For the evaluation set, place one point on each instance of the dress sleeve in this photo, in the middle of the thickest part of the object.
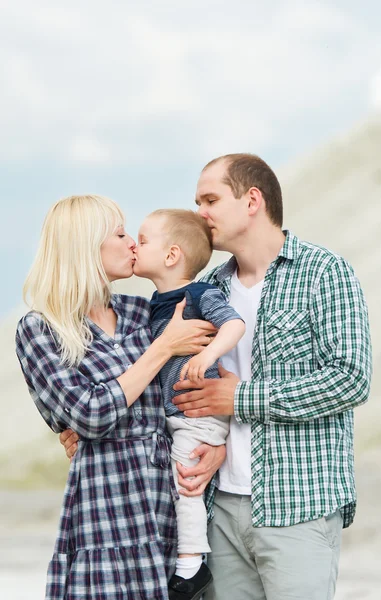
(65, 397)
(215, 309)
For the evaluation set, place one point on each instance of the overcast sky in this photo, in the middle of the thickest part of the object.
(130, 99)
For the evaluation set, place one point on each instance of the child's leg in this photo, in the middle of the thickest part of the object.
(192, 577)
(191, 512)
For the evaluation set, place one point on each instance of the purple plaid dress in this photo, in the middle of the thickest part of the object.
(117, 533)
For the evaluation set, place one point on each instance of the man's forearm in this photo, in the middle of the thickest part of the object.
(322, 393)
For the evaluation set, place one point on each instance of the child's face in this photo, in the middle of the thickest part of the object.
(152, 248)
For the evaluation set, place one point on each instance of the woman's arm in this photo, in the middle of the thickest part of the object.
(180, 338)
(68, 399)
(65, 396)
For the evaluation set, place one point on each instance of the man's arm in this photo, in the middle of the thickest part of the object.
(341, 382)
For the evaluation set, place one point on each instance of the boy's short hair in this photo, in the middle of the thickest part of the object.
(191, 233)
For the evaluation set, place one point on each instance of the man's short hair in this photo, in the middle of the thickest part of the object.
(244, 171)
(190, 232)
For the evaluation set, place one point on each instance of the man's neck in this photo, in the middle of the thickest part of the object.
(255, 251)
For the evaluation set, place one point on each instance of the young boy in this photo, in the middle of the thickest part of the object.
(173, 246)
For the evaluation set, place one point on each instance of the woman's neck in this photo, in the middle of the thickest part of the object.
(105, 318)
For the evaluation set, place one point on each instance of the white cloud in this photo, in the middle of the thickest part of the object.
(137, 81)
(88, 150)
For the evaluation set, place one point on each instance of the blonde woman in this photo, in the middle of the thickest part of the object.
(90, 365)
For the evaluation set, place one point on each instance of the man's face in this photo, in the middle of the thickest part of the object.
(151, 250)
(226, 215)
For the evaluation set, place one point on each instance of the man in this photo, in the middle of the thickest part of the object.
(287, 486)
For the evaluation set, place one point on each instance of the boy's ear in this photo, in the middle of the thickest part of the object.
(173, 256)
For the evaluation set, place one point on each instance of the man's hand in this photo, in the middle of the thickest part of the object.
(211, 458)
(209, 397)
(69, 439)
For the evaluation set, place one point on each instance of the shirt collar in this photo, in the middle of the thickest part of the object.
(291, 247)
(290, 251)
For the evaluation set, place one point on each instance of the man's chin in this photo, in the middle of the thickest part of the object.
(216, 243)
(214, 238)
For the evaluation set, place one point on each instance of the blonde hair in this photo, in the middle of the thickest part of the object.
(190, 232)
(67, 277)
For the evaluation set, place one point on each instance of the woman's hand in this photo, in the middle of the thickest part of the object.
(211, 458)
(187, 336)
(69, 439)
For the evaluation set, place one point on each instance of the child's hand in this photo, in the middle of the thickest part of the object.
(195, 368)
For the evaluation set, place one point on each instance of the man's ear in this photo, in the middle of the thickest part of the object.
(173, 256)
(255, 200)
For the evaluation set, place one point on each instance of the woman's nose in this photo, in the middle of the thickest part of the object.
(131, 244)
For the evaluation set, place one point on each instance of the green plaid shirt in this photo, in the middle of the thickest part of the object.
(311, 365)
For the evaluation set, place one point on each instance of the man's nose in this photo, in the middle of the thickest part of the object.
(202, 212)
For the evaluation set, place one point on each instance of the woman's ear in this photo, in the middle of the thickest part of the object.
(173, 256)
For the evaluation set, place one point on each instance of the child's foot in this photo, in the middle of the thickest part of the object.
(190, 589)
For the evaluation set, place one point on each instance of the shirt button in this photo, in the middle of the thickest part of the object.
(116, 346)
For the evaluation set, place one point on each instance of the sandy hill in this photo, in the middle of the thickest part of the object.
(331, 198)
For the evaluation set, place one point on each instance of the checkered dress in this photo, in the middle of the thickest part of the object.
(117, 535)
(311, 364)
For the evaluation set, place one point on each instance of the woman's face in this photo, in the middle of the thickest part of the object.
(117, 255)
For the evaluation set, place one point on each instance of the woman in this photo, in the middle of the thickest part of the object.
(90, 366)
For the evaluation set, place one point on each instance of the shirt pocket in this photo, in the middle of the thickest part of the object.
(289, 336)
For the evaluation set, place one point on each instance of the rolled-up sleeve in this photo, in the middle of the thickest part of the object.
(65, 397)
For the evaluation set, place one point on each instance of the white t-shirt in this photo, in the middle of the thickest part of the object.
(235, 473)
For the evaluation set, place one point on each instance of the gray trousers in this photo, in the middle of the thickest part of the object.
(299, 562)
(187, 434)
